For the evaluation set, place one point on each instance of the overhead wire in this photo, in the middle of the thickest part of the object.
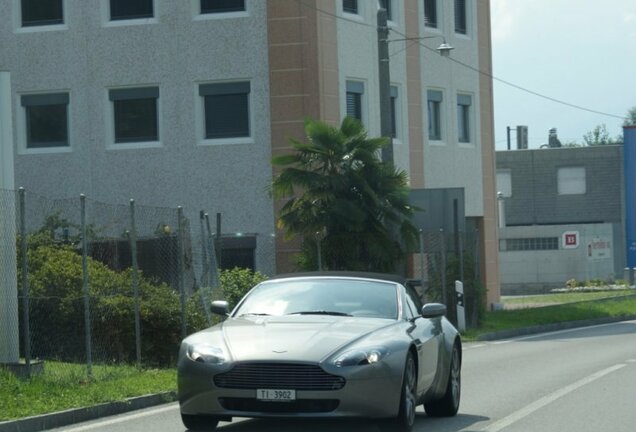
(459, 62)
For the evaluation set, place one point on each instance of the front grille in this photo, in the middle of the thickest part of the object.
(294, 407)
(291, 376)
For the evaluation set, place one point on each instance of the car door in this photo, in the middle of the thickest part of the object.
(427, 334)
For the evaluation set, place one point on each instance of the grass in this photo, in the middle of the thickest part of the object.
(63, 386)
(529, 317)
(565, 297)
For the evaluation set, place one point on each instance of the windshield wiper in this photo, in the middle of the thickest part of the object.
(254, 314)
(320, 312)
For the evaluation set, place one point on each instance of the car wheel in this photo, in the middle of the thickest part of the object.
(448, 405)
(199, 422)
(406, 416)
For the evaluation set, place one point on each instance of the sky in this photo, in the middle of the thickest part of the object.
(582, 52)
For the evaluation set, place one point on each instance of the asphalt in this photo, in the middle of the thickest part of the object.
(64, 418)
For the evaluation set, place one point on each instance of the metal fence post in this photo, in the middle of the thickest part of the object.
(421, 244)
(461, 257)
(205, 279)
(319, 251)
(25, 283)
(135, 280)
(87, 313)
(181, 247)
(443, 269)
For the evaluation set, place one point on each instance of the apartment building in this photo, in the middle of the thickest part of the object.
(184, 103)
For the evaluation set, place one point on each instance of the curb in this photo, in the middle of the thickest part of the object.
(546, 328)
(77, 415)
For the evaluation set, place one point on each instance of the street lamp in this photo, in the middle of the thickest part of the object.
(444, 48)
(384, 77)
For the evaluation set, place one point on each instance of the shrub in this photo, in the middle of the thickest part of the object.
(57, 309)
(237, 282)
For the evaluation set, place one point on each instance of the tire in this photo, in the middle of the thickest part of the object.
(199, 422)
(448, 405)
(406, 415)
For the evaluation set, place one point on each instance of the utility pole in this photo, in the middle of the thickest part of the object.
(9, 334)
(384, 79)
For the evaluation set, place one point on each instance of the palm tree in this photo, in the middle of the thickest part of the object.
(340, 193)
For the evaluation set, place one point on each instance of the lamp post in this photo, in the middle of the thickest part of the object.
(384, 77)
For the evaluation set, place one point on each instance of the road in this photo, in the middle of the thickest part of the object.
(581, 380)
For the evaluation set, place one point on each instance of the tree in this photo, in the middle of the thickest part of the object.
(343, 200)
(600, 136)
(630, 120)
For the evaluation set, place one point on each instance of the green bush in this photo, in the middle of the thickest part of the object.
(237, 282)
(57, 309)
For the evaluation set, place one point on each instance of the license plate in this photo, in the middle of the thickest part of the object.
(274, 395)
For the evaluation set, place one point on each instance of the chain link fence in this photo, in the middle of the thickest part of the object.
(84, 282)
(442, 258)
(88, 283)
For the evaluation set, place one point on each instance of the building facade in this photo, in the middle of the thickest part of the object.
(563, 211)
(184, 103)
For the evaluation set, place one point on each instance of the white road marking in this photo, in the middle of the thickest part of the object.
(546, 400)
(468, 347)
(557, 332)
(123, 418)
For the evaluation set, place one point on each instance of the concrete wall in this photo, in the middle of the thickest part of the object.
(541, 270)
(175, 51)
(535, 198)
(448, 163)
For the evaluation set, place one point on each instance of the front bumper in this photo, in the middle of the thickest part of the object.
(370, 391)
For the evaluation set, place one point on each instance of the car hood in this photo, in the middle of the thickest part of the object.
(295, 337)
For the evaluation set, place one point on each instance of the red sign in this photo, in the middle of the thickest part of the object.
(570, 239)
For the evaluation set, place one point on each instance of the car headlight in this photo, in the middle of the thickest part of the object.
(204, 353)
(359, 357)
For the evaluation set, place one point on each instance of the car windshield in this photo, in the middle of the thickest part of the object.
(326, 296)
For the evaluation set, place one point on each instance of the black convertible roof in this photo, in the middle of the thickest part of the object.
(335, 273)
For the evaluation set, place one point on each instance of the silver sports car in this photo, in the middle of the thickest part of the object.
(323, 345)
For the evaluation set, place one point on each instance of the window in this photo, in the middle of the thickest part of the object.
(350, 6)
(529, 244)
(222, 6)
(460, 17)
(463, 118)
(42, 12)
(394, 108)
(504, 182)
(226, 109)
(135, 115)
(571, 181)
(435, 98)
(355, 90)
(386, 5)
(430, 13)
(46, 118)
(131, 9)
(414, 300)
(237, 252)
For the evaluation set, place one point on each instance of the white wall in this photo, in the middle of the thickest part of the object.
(448, 163)
(544, 269)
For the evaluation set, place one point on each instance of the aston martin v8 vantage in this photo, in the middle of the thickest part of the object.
(322, 345)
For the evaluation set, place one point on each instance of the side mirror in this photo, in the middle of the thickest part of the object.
(219, 307)
(433, 310)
